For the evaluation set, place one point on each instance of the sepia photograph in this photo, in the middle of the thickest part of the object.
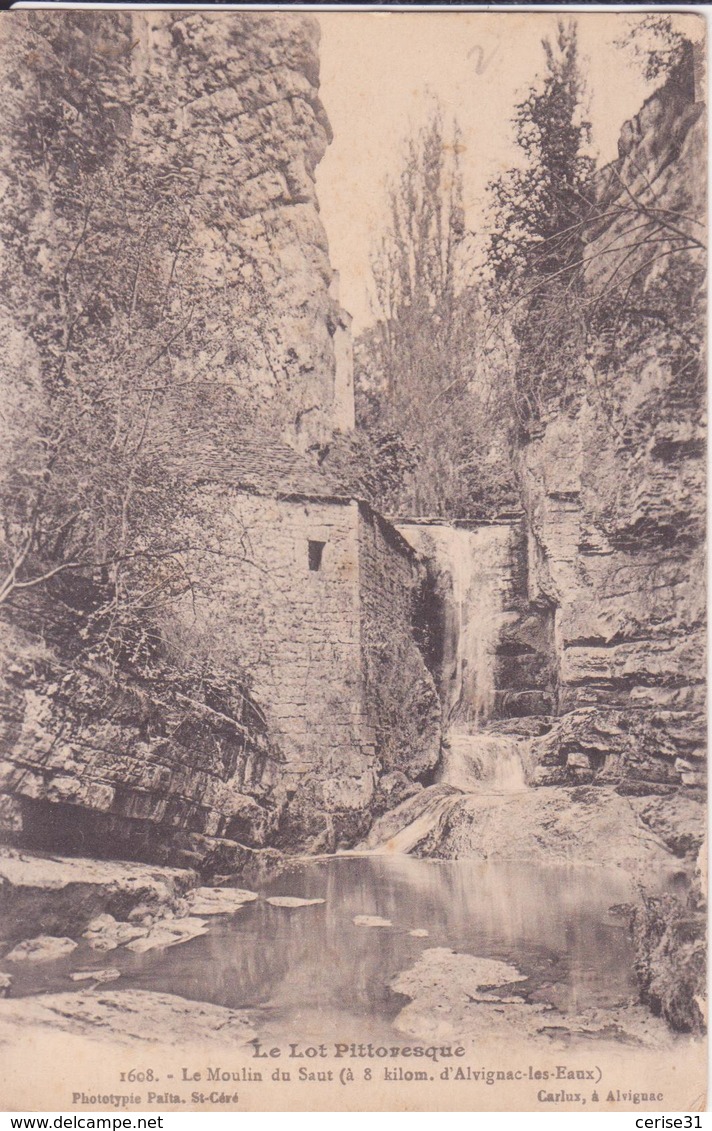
(352, 560)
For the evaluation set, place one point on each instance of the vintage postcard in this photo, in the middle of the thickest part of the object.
(352, 601)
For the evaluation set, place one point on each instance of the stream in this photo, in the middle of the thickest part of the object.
(315, 972)
(312, 971)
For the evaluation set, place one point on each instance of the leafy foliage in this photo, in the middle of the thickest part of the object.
(669, 936)
(109, 314)
(536, 249)
(655, 43)
(421, 392)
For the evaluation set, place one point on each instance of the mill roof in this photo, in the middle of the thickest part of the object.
(201, 436)
(255, 462)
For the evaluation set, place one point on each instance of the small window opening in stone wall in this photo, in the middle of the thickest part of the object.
(316, 552)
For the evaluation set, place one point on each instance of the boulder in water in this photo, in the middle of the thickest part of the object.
(292, 901)
(219, 901)
(44, 948)
(110, 974)
(169, 932)
(464, 973)
(105, 933)
(371, 921)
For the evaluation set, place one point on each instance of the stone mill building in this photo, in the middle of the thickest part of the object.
(320, 606)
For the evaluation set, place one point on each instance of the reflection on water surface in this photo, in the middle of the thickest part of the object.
(313, 968)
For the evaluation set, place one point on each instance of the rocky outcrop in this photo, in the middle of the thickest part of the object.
(670, 936)
(62, 895)
(243, 132)
(209, 127)
(125, 1017)
(184, 148)
(561, 825)
(108, 766)
(613, 481)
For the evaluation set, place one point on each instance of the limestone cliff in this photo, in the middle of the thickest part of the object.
(228, 107)
(105, 764)
(180, 147)
(162, 255)
(614, 484)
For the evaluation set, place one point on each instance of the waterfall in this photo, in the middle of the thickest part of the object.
(476, 764)
(415, 832)
(474, 565)
(485, 762)
(480, 565)
(474, 569)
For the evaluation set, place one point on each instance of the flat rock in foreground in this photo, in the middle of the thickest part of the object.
(126, 1016)
(461, 997)
(59, 895)
(219, 901)
(26, 870)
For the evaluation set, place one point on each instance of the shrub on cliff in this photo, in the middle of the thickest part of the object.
(536, 247)
(112, 324)
(670, 941)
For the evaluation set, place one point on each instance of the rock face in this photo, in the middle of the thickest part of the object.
(613, 484)
(582, 825)
(670, 937)
(186, 146)
(244, 130)
(217, 117)
(132, 779)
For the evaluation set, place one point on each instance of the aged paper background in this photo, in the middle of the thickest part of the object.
(177, 208)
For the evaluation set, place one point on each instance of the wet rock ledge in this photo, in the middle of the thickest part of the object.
(52, 905)
(125, 1017)
(60, 895)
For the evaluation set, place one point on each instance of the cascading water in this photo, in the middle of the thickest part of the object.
(480, 567)
(475, 565)
(475, 568)
(480, 761)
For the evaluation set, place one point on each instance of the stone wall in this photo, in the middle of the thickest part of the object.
(400, 693)
(313, 596)
(296, 629)
(614, 485)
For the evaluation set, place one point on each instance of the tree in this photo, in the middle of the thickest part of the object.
(110, 325)
(655, 43)
(418, 373)
(540, 210)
